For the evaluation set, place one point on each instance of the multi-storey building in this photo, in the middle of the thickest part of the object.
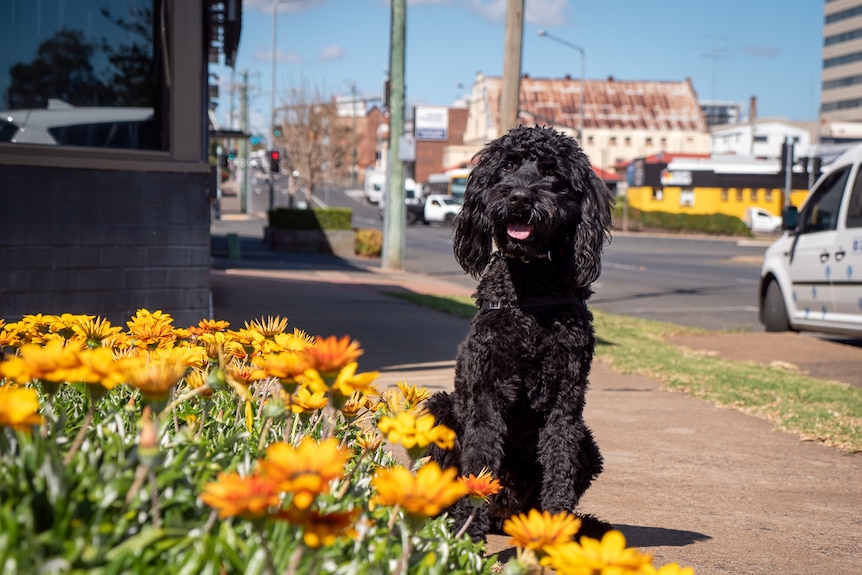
(841, 75)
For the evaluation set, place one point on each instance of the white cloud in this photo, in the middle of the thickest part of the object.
(539, 12)
(265, 55)
(331, 53)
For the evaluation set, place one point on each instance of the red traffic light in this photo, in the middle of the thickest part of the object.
(274, 154)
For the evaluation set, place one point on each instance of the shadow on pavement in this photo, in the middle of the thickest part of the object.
(638, 536)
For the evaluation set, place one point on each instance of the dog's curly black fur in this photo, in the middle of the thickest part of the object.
(532, 228)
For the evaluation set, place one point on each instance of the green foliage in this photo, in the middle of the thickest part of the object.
(368, 242)
(114, 509)
(712, 224)
(314, 219)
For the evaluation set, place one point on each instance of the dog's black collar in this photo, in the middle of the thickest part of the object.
(530, 302)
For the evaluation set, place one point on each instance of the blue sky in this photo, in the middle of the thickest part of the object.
(730, 49)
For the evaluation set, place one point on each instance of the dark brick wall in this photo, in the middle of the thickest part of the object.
(104, 243)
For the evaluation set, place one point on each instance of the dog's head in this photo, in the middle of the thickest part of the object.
(533, 194)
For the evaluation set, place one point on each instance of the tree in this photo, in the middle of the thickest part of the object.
(317, 142)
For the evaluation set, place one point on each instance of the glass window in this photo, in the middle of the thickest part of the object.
(854, 207)
(821, 211)
(81, 73)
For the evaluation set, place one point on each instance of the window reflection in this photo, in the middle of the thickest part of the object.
(80, 73)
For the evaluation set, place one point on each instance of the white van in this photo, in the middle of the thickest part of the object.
(375, 184)
(811, 279)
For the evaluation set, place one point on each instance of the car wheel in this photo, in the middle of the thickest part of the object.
(774, 310)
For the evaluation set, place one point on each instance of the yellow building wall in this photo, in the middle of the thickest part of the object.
(730, 201)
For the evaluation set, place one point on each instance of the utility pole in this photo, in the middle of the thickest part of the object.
(393, 213)
(243, 143)
(511, 90)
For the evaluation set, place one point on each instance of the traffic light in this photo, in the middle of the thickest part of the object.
(274, 157)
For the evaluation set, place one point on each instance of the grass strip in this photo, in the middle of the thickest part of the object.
(826, 411)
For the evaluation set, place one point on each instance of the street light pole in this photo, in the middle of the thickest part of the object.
(544, 34)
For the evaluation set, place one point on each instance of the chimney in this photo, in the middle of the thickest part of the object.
(752, 109)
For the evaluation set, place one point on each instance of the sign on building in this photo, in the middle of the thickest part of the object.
(431, 123)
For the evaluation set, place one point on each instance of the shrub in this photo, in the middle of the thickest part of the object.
(713, 224)
(368, 242)
(314, 219)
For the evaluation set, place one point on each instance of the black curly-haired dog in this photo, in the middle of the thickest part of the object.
(532, 227)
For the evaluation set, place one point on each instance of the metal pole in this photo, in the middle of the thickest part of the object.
(583, 54)
(271, 138)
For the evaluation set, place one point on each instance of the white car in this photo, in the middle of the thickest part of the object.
(441, 208)
(811, 279)
(759, 220)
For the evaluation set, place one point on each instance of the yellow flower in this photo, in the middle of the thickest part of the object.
(329, 355)
(212, 325)
(424, 494)
(591, 556)
(154, 378)
(269, 326)
(411, 431)
(296, 341)
(413, 395)
(356, 403)
(232, 494)
(19, 408)
(152, 330)
(321, 529)
(369, 439)
(95, 330)
(244, 342)
(286, 367)
(197, 379)
(35, 328)
(52, 362)
(307, 470)
(481, 487)
(537, 530)
(66, 324)
(348, 382)
(303, 401)
(98, 366)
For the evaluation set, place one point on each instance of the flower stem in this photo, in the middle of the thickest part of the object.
(466, 523)
(79, 438)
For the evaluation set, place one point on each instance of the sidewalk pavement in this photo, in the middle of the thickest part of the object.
(684, 480)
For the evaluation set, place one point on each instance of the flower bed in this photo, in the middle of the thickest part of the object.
(158, 449)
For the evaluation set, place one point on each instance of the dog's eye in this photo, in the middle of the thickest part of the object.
(508, 166)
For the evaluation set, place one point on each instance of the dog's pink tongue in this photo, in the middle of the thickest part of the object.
(519, 231)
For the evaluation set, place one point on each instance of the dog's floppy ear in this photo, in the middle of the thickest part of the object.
(593, 229)
(473, 230)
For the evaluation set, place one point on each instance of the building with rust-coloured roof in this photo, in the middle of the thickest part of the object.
(622, 120)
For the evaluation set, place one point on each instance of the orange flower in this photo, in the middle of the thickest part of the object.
(321, 529)
(481, 487)
(152, 330)
(540, 529)
(154, 378)
(232, 494)
(329, 355)
(19, 408)
(307, 470)
(424, 494)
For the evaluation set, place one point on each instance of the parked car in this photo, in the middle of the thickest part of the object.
(440, 208)
(762, 221)
(414, 205)
(811, 277)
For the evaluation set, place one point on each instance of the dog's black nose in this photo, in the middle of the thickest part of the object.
(519, 198)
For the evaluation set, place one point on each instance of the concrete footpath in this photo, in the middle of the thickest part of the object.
(684, 480)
